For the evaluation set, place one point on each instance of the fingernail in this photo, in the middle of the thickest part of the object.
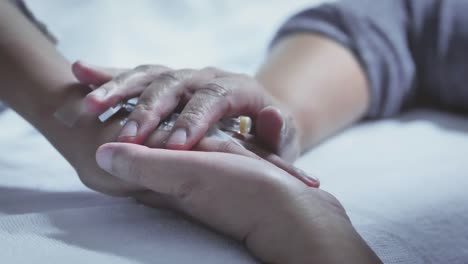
(179, 137)
(98, 93)
(308, 179)
(129, 130)
(104, 158)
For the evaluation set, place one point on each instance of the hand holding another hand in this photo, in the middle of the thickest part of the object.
(229, 186)
(279, 219)
(203, 97)
(89, 134)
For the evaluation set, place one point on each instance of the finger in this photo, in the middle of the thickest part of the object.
(276, 132)
(93, 75)
(224, 143)
(306, 178)
(123, 86)
(215, 142)
(164, 171)
(157, 139)
(156, 102)
(212, 101)
(239, 184)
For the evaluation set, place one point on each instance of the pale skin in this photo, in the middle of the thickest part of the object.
(279, 219)
(320, 82)
(37, 82)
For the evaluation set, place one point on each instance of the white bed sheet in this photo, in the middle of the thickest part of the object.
(403, 181)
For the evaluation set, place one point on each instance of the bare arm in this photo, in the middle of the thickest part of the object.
(319, 81)
(33, 74)
(412, 52)
(36, 80)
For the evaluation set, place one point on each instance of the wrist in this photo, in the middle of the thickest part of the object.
(50, 112)
(321, 232)
(37, 92)
(338, 242)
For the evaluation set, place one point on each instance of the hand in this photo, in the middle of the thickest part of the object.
(278, 218)
(203, 96)
(88, 133)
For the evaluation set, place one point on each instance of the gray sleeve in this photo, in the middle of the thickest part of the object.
(413, 51)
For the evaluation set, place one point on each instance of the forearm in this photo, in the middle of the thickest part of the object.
(33, 74)
(319, 81)
(35, 79)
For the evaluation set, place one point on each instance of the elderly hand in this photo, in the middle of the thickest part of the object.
(88, 134)
(279, 219)
(203, 96)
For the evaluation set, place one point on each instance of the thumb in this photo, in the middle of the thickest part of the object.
(161, 170)
(116, 159)
(93, 75)
(268, 126)
(278, 133)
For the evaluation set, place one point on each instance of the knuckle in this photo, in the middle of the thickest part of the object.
(144, 67)
(151, 68)
(169, 76)
(146, 111)
(215, 89)
(143, 108)
(121, 79)
(191, 117)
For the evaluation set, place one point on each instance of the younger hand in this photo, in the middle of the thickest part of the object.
(278, 218)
